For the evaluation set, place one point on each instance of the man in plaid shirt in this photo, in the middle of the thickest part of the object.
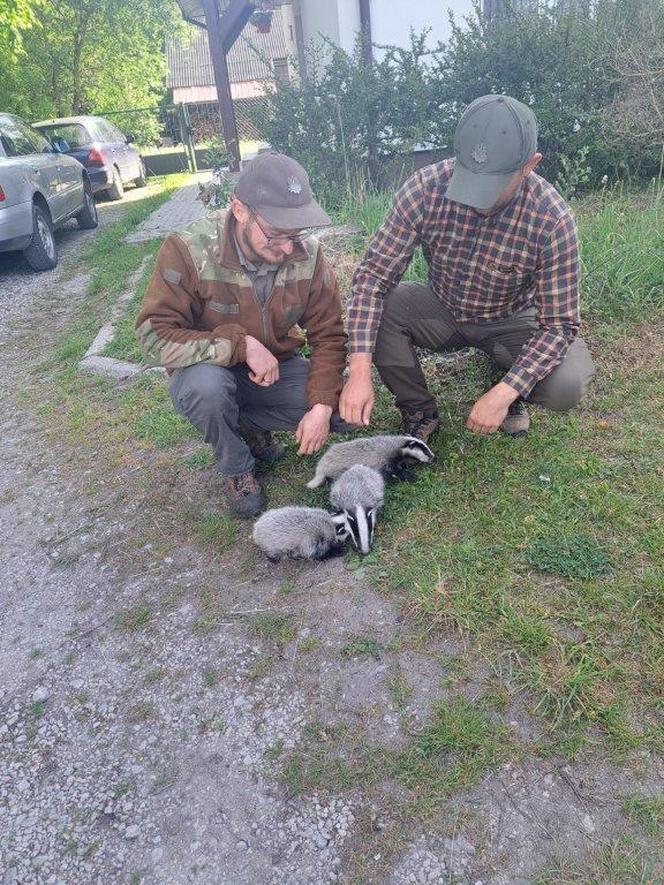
(502, 250)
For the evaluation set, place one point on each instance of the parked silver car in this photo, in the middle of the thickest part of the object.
(40, 188)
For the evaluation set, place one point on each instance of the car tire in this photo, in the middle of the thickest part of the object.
(116, 190)
(87, 217)
(42, 253)
(141, 181)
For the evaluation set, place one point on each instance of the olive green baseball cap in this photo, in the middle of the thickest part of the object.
(277, 188)
(495, 136)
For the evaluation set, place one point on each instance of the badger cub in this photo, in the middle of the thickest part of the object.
(359, 494)
(388, 454)
(300, 533)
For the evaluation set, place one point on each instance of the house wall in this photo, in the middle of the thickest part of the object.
(391, 20)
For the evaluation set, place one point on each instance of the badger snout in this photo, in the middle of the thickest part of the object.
(361, 523)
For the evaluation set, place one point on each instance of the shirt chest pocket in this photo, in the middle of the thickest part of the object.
(505, 276)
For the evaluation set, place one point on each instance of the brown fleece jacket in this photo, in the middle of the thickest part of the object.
(201, 304)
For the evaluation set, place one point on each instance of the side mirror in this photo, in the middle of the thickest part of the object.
(60, 146)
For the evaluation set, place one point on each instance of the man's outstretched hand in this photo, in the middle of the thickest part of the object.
(490, 410)
(313, 430)
(357, 397)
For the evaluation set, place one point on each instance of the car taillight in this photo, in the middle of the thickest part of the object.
(95, 157)
(2, 195)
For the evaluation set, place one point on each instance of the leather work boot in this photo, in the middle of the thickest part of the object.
(244, 496)
(516, 421)
(260, 443)
(419, 424)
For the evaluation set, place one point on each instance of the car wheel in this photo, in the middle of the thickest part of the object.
(87, 217)
(141, 181)
(116, 190)
(42, 253)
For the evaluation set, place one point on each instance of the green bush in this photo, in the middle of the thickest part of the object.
(348, 120)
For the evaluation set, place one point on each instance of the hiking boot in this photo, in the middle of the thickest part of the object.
(260, 443)
(419, 424)
(244, 496)
(516, 421)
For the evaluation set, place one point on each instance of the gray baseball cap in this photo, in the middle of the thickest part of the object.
(495, 136)
(278, 189)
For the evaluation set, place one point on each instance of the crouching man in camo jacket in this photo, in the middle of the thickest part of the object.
(220, 315)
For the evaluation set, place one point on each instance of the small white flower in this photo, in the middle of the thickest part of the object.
(605, 179)
(576, 126)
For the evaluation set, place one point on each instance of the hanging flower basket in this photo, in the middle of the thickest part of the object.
(261, 19)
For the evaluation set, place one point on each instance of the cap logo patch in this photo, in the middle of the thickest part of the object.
(479, 153)
(294, 186)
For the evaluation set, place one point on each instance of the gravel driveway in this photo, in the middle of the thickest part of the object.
(138, 745)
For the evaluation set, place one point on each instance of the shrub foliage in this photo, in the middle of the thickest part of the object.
(347, 118)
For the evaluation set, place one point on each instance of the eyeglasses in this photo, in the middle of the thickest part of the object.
(281, 238)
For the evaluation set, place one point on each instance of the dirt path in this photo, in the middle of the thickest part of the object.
(149, 695)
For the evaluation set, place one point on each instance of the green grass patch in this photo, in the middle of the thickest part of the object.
(210, 678)
(622, 861)
(454, 751)
(134, 618)
(124, 345)
(272, 627)
(575, 557)
(647, 811)
(309, 644)
(218, 529)
(362, 646)
(201, 459)
(143, 711)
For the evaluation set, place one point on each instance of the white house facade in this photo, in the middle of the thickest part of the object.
(390, 20)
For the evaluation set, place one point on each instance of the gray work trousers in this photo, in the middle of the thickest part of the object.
(413, 315)
(214, 398)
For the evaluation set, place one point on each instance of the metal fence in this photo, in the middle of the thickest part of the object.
(176, 137)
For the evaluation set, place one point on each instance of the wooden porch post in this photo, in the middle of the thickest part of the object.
(365, 27)
(222, 33)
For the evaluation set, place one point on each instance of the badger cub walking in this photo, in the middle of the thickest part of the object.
(388, 454)
(300, 533)
(359, 494)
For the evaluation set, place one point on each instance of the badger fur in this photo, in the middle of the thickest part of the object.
(384, 453)
(299, 533)
(359, 494)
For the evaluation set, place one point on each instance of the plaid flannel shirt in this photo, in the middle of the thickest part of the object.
(482, 268)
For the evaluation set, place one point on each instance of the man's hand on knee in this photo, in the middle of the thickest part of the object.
(490, 410)
(313, 430)
(263, 365)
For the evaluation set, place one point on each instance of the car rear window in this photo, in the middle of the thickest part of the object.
(19, 139)
(109, 132)
(74, 134)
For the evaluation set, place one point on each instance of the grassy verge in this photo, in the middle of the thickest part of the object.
(545, 553)
(111, 262)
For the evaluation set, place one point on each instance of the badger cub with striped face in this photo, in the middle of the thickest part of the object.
(391, 455)
(358, 495)
(300, 533)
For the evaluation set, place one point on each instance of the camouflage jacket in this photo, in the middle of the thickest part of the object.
(201, 304)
